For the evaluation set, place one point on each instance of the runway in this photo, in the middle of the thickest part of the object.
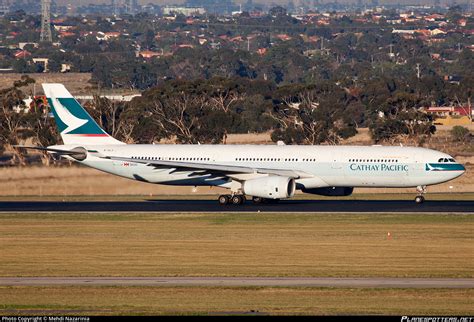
(241, 282)
(294, 206)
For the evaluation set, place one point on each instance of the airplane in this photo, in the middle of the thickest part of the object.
(264, 172)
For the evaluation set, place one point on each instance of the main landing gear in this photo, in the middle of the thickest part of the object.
(419, 199)
(240, 199)
(231, 199)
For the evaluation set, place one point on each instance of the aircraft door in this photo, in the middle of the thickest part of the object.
(336, 161)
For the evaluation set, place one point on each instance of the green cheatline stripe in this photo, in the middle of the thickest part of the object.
(444, 167)
(92, 151)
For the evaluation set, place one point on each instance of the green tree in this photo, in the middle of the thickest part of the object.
(41, 128)
(181, 110)
(460, 133)
(407, 125)
(311, 115)
(13, 117)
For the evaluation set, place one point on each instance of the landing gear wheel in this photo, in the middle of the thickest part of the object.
(223, 199)
(419, 199)
(258, 200)
(237, 200)
(421, 191)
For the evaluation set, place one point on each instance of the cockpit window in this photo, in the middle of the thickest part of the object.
(446, 160)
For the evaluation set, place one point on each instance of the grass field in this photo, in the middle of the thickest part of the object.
(239, 301)
(147, 244)
(153, 244)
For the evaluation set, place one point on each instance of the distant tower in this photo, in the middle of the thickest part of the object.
(4, 7)
(127, 5)
(131, 6)
(46, 21)
(135, 6)
(116, 5)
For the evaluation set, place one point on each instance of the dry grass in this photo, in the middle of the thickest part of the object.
(249, 138)
(79, 180)
(77, 83)
(236, 245)
(225, 301)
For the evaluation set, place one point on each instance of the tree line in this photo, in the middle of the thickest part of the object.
(207, 110)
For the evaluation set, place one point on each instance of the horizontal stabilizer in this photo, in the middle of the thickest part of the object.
(76, 153)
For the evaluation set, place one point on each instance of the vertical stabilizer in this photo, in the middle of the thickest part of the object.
(75, 125)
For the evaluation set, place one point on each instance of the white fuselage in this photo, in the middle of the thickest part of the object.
(328, 166)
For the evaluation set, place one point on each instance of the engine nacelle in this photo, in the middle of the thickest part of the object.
(272, 187)
(330, 191)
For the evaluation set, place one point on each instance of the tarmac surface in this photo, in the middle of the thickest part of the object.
(242, 282)
(345, 206)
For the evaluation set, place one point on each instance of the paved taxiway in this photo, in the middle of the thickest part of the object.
(241, 282)
(347, 206)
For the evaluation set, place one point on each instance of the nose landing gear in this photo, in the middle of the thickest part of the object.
(419, 199)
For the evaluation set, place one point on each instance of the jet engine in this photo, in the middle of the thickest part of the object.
(330, 191)
(272, 187)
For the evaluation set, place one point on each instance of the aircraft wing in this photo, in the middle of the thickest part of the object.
(228, 170)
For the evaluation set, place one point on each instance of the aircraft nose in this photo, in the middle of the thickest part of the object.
(459, 170)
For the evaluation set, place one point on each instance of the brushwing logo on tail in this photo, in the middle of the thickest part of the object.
(67, 117)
